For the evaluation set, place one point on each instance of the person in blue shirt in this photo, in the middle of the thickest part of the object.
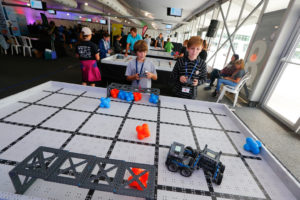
(232, 80)
(132, 38)
(104, 46)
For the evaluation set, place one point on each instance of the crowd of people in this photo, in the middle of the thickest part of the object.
(189, 72)
(91, 46)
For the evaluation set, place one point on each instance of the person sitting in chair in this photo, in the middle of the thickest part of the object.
(232, 80)
(227, 71)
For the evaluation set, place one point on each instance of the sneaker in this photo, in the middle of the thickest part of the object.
(207, 88)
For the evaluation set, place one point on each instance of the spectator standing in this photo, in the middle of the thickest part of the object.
(147, 40)
(88, 54)
(159, 41)
(132, 38)
(117, 45)
(169, 46)
(104, 46)
(203, 53)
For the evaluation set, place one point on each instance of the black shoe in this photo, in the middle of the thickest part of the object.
(207, 88)
(214, 94)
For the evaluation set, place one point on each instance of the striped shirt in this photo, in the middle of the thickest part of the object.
(179, 69)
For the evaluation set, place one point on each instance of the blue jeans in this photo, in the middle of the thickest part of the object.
(225, 82)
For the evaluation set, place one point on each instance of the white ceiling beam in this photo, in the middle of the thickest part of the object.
(90, 9)
(68, 3)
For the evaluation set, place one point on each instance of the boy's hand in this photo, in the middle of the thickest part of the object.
(137, 77)
(126, 54)
(195, 82)
(149, 75)
(183, 79)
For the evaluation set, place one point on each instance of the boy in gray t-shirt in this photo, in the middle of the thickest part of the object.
(140, 70)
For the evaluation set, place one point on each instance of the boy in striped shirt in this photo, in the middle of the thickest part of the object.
(189, 72)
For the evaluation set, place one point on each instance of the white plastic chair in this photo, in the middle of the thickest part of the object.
(234, 89)
(5, 51)
(26, 45)
(14, 45)
(3, 44)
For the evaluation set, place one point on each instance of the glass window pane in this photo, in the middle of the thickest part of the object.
(242, 39)
(221, 57)
(224, 7)
(296, 55)
(271, 7)
(208, 18)
(285, 98)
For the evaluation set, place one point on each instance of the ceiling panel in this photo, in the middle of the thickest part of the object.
(157, 10)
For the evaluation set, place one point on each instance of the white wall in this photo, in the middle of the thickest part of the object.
(285, 33)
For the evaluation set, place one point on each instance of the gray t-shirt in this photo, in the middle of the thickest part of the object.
(239, 74)
(159, 41)
(148, 41)
(131, 70)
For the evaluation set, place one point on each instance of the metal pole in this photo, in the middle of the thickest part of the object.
(225, 24)
(204, 19)
(228, 9)
(237, 23)
(108, 25)
(258, 5)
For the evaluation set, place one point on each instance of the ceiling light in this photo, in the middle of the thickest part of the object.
(146, 14)
(68, 14)
(86, 4)
(125, 21)
(80, 17)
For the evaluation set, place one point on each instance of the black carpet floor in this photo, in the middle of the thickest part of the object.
(18, 73)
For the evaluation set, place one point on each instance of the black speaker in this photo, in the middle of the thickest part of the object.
(175, 35)
(168, 11)
(212, 29)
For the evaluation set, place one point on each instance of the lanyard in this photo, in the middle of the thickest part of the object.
(106, 45)
(136, 69)
(186, 74)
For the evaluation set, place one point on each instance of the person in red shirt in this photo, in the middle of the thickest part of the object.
(225, 72)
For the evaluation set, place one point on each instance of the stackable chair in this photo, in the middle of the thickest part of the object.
(26, 45)
(234, 89)
(14, 45)
(3, 45)
(3, 50)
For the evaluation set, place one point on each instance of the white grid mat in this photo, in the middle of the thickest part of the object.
(50, 116)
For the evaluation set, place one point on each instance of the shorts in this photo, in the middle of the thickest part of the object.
(90, 71)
